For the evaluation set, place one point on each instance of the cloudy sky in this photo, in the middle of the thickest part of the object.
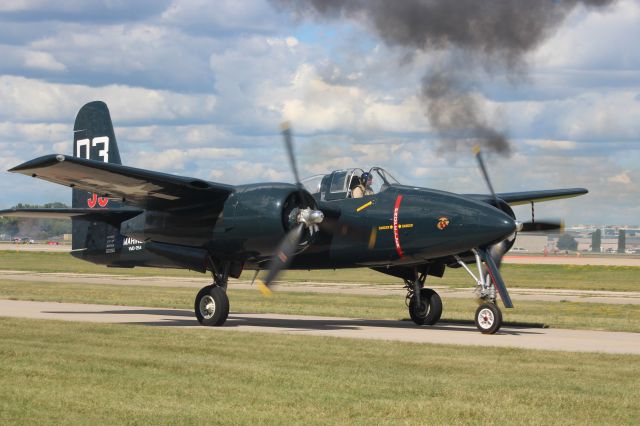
(200, 91)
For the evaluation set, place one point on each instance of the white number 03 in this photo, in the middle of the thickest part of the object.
(103, 152)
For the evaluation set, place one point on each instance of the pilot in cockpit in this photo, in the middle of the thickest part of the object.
(357, 188)
(367, 180)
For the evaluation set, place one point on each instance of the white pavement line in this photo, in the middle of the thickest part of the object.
(457, 334)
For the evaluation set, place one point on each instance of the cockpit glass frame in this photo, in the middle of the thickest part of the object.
(338, 184)
(313, 184)
(339, 181)
(385, 175)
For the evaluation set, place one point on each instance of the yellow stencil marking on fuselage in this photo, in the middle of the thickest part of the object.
(389, 227)
(373, 237)
(364, 206)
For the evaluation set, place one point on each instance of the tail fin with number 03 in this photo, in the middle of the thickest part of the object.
(93, 139)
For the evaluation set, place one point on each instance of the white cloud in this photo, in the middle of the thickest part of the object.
(622, 178)
(549, 144)
(32, 100)
(314, 105)
(227, 15)
(42, 60)
(596, 40)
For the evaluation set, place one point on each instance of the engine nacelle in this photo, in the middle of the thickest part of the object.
(256, 218)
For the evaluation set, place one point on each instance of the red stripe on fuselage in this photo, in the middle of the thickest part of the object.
(396, 236)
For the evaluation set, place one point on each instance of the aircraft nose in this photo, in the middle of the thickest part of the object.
(499, 225)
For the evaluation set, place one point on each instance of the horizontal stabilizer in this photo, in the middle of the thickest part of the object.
(69, 213)
(138, 187)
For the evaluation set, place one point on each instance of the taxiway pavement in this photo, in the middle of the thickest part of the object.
(404, 331)
(518, 294)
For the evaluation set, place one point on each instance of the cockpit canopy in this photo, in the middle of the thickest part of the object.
(342, 184)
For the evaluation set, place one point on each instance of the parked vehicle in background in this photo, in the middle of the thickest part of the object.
(27, 240)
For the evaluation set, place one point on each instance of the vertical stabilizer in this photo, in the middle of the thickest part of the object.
(94, 139)
(93, 136)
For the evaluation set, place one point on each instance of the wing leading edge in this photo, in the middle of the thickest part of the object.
(137, 187)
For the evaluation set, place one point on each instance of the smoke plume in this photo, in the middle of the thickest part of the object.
(480, 35)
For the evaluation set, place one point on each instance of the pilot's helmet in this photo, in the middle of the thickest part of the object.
(366, 178)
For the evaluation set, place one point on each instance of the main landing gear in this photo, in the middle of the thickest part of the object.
(212, 304)
(488, 317)
(425, 305)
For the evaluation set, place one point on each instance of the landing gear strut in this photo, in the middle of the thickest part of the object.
(425, 305)
(488, 318)
(212, 304)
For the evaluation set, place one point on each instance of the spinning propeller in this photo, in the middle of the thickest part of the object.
(304, 218)
(495, 253)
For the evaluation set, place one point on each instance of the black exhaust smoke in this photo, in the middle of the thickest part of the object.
(477, 35)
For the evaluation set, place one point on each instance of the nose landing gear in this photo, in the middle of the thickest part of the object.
(488, 318)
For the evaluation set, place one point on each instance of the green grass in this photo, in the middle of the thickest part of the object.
(74, 373)
(551, 314)
(611, 278)
(64, 262)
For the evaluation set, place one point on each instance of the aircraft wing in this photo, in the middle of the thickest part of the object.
(526, 197)
(137, 187)
(69, 213)
(517, 198)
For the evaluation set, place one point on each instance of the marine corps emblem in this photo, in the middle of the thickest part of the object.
(443, 222)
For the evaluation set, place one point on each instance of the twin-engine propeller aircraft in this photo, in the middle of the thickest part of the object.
(126, 217)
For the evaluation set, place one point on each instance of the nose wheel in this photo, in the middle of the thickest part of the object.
(488, 318)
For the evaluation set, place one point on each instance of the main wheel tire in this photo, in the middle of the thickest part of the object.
(212, 306)
(488, 318)
(430, 309)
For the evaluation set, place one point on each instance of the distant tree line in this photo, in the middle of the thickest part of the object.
(567, 242)
(38, 229)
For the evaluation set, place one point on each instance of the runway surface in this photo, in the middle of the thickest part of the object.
(518, 294)
(458, 334)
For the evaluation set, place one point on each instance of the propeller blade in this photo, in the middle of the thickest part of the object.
(282, 258)
(538, 226)
(497, 251)
(494, 272)
(483, 169)
(288, 141)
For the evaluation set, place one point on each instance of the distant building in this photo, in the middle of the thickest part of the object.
(532, 243)
(536, 243)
